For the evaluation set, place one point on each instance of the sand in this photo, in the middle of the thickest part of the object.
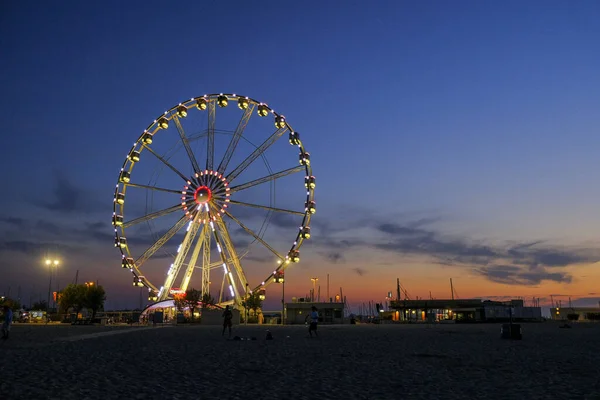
(345, 362)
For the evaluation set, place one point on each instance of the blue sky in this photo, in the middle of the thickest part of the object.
(475, 122)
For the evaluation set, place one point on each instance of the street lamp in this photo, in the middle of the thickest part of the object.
(279, 278)
(314, 281)
(50, 262)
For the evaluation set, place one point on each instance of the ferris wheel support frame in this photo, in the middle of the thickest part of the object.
(181, 255)
(192, 263)
(206, 262)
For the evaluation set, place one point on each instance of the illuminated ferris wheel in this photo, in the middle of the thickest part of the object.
(197, 192)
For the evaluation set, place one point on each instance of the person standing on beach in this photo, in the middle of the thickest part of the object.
(314, 320)
(8, 317)
(227, 318)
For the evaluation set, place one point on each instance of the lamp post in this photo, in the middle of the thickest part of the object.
(50, 263)
(246, 304)
(314, 281)
(280, 279)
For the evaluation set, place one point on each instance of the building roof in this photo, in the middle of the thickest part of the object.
(321, 305)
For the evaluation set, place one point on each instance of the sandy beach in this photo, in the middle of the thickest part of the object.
(345, 362)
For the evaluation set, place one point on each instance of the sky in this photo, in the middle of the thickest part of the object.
(448, 139)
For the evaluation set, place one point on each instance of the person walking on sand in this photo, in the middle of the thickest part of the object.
(314, 320)
(8, 318)
(227, 318)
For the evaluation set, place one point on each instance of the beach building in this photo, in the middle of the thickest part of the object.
(583, 314)
(462, 310)
(297, 311)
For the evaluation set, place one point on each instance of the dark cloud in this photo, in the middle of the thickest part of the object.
(399, 230)
(68, 198)
(259, 258)
(527, 263)
(587, 301)
(515, 275)
(49, 227)
(405, 240)
(282, 220)
(34, 248)
(99, 225)
(423, 221)
(359, 271)
(21, 246)
(334, 257)
(340, 244)
(18, 222)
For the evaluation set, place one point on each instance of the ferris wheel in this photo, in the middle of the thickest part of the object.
(197, 192)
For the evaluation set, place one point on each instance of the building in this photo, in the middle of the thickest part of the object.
(583, 314)
(297, 312)
(462, 310)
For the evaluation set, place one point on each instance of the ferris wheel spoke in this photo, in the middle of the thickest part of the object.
(139, 185)
(237, 135)
(234, 260)
(153, 215)
(165, 162)
(257, 237)
(268, 178)
(182, 253)
(283, 210)
(210, 148)
(200, 243)
(161, 241)
(186, 144)
(256, 153)
(206, 261)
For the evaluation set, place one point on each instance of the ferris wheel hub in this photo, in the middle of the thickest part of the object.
(209, 191)
(202, 195)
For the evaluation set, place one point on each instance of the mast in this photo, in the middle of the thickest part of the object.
(452, 288)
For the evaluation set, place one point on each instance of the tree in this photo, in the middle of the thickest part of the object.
(94, 298)
(40, 305)
(12, 303)
(573, 317)
(73, 296)
(192, 297)
(85, 295)
(253, 302)
(207, 300)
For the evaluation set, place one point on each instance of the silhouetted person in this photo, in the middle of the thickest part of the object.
(314, 320)
(8, 317)
(227, 318)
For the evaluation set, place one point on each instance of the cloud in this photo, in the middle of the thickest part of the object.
(406, 239)
(34, 248)
(587, 301)
(68, 198)
(49, 227)
(359, 271)
(334, 257)
(98, 225)
(399, 230)
(515, 275)
(18, 222)
(258, 258)
(526, 263)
